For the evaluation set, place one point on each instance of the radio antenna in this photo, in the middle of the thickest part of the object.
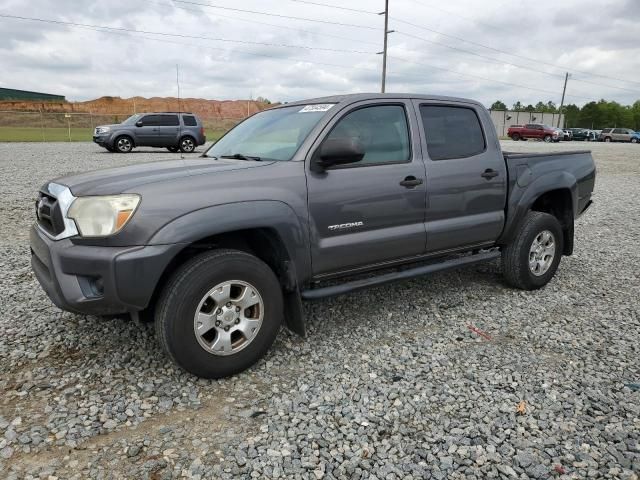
(179, 110)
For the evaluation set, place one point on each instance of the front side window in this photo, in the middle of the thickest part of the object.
(150, 120)
(618, 130)
(271, 135)
(381, 131)
(452, 132)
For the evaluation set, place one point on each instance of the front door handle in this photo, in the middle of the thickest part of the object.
(489, 174)
(411, 181)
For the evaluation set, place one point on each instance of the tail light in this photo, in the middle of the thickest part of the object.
(202, 130)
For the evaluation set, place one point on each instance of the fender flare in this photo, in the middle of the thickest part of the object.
(523, 197)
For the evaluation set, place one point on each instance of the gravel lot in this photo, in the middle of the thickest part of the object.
(391, 382)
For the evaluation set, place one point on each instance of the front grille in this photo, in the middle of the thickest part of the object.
(49, 214)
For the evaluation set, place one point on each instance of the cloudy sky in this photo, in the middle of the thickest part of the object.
(487, 50)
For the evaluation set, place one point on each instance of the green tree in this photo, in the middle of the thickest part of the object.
(517, 107)
(571, 115)
(529, 108)
(498, 105)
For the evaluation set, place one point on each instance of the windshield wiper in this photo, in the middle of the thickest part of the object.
(239, 156)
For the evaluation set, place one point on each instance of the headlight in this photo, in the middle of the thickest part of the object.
(103, 129)
(102, 216)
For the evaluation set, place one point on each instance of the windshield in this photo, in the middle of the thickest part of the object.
(270, 135)
(132, 119)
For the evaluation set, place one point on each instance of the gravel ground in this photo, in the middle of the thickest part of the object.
(390, 383)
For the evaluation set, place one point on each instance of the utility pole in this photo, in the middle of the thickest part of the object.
(384, 51)
(564, 90)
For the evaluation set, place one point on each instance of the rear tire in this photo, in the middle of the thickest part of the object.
(530, 261)
(201, 319)
(187, 144)
(607, 139)
(515, 137)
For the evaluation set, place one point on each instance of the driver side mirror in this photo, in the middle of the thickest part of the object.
(139, 123)
(336, 151)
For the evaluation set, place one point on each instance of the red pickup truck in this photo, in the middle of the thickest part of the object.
(534, 130)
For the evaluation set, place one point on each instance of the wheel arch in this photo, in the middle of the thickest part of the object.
(555, 193)
(276, 237)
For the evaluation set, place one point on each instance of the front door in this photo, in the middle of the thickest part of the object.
(466, 176)
(147, 135)
(372, 211)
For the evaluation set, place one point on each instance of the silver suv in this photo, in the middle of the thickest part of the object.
(619, 135)
(171, 130)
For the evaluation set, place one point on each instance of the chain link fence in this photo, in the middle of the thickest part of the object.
(23, 126)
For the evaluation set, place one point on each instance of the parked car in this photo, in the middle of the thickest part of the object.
(534, 130)
(567, 135)
(171, 130)
(295, 203)
(619, 135)
(582, 134)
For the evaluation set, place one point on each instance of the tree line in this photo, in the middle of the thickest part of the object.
(595, 115)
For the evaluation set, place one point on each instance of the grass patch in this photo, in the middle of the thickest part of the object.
(35, 134)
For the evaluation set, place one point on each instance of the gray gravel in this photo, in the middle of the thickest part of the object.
(391, 382)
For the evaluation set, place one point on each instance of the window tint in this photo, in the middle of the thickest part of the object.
(150, 120)
(607, 130)
(168, 120)
(451, 132)
(189, 120)
(381, 130)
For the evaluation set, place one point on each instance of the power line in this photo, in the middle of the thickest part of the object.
(449, 12)
(318, 4)
(258, 22)
(209, 5)
(248, 42)
(504, 62)
(422, 27)
(484, 78)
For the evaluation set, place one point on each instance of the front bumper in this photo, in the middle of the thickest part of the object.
(98, 280)
(103, 140)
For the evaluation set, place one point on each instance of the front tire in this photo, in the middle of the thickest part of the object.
(219, 313)
(515, 137)
(634, 140)
(530, 261)
(547, 138)
(123, 144)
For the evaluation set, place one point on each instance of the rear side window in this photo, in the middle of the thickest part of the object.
(452, 132)
(189, 120)
(168, 120)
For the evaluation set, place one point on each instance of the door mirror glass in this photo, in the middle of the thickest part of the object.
(337, 151)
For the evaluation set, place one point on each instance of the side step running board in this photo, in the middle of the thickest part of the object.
(354, 285)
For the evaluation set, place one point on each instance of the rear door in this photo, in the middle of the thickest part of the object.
(466, 176)
(168, 126)
(372, 211)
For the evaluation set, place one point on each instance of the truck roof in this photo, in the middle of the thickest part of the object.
(357, 97)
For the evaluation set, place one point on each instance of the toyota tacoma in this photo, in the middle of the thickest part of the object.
(305, 200)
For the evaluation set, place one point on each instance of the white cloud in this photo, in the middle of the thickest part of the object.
(85, 63)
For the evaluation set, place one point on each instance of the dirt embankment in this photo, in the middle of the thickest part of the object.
(117, 105)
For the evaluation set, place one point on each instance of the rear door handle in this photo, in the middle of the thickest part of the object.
(489, 174)
(411, 182)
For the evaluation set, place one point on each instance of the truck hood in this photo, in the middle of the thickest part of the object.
(125, 179)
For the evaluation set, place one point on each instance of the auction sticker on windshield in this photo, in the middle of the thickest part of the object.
(320, 107)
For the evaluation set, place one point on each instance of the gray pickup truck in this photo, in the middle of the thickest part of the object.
(298, 202)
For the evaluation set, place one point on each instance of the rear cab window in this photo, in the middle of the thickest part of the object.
(452, 131)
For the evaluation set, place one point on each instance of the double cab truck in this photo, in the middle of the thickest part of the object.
(305, 200)
(536, 131)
